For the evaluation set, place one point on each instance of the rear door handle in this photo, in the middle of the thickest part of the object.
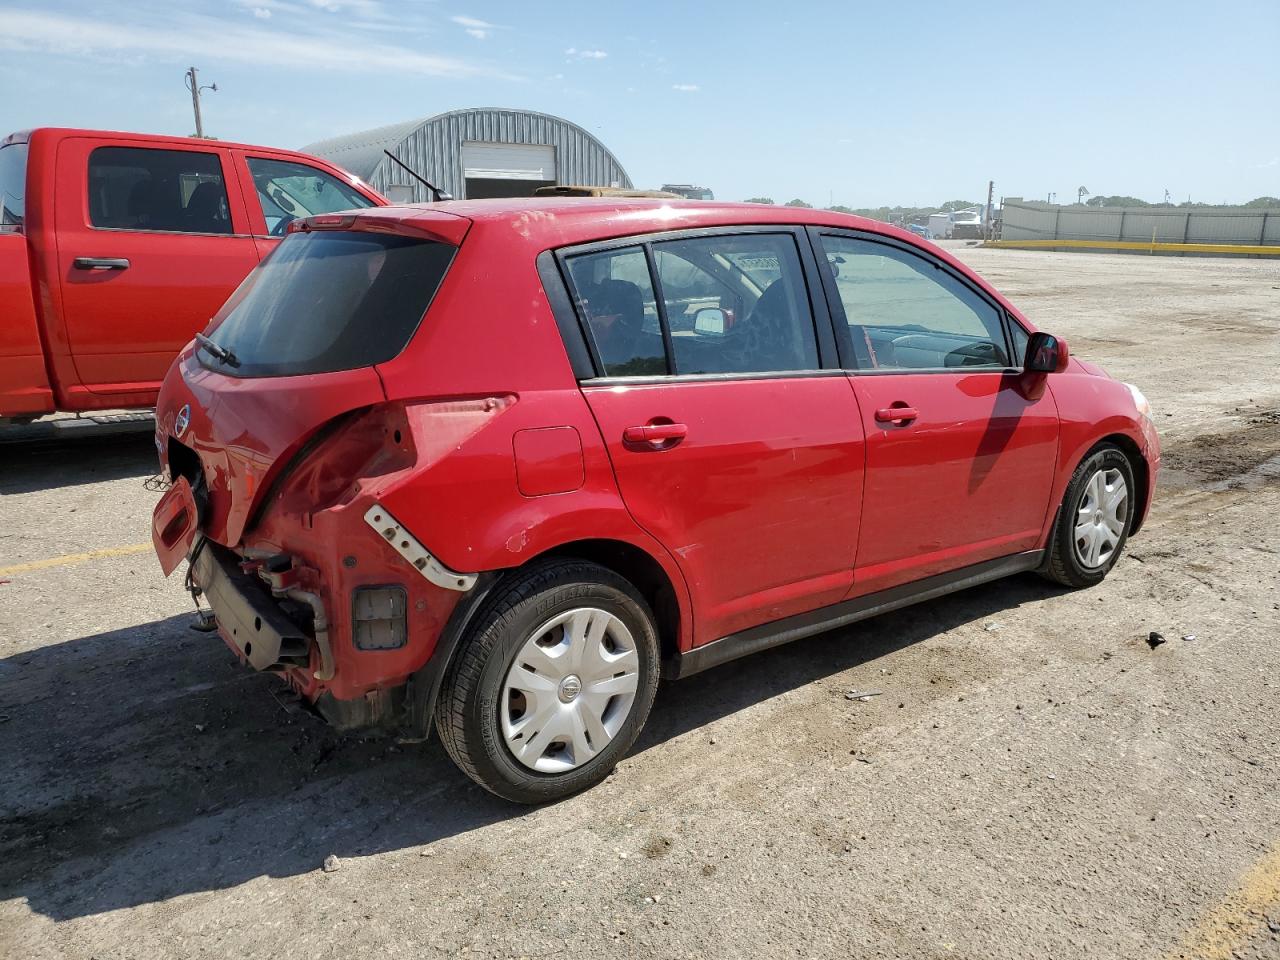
(896, 414)
(655, 433)
(100, 263)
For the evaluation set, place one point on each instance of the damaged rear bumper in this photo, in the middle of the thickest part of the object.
(249, 619)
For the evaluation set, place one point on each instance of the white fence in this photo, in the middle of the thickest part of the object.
(1025, 220)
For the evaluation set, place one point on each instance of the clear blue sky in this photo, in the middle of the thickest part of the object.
(911, 102)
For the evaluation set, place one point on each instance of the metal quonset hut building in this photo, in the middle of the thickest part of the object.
(484, 152)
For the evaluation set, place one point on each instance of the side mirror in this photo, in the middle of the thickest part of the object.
(1046, 354)
(709, 320)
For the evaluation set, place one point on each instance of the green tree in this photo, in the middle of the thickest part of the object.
(839, 208)
(799, 203)
(1264, 202)
(768, 200)
(1116, 201)
(953, 205)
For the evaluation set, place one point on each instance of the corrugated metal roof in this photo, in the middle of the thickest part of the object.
(360, 153)
(433, 147)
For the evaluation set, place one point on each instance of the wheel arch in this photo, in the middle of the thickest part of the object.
(643, 571)
(1141, 473)
(637, 566)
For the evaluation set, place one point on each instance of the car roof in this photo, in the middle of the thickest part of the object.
(557, 221)
(545, 223)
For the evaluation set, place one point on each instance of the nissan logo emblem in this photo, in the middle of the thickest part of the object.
(181, 420)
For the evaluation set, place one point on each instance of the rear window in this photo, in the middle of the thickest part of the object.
(13, 185)
(326, 301)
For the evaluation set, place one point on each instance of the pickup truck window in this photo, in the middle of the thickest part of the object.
(13, 184)
(290, 190)
(176, 191)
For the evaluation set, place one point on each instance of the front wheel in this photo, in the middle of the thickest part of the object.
(552, 684)
(1094, 519)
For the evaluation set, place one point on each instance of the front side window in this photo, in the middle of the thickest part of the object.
(906, 313)
(289, 190)
(736, 304)
(328, 300)
(1020, 339)
(615, 297)
(175, 191)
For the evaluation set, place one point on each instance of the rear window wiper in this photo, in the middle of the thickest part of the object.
(221, 354)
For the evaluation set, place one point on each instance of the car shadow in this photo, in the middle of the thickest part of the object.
(29, 466)
(146, 763)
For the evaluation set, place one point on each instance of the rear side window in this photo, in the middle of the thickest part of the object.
(13, 185)
(615, 296)
(289, 190)
(326, 301)
(736, 304)
(906, 313)
(175, 191)
(729, 303)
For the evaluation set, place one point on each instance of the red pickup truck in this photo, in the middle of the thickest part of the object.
(116, 247)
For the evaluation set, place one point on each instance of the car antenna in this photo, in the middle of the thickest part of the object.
(439, 194)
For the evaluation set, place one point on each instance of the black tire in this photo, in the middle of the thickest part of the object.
(1063, 565)
(467, 711)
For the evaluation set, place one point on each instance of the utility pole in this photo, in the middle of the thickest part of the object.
(193, 85)
(991, 187)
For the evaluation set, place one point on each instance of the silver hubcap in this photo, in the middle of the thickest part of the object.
(1101, 517)
(569, 690)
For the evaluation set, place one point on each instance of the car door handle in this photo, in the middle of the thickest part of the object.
(656, 433)
(100, 263)
(899, 413)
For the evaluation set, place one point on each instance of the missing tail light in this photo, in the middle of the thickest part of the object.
(378, 618)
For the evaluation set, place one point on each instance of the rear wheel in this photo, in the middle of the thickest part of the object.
(552, 683)
(1094, 519)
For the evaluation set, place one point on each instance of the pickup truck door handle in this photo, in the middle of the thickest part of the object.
(656, 433)
(898, 413)
(100, 263)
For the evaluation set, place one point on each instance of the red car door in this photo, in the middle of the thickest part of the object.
(960, 460)
(731, 444)
(149, 247)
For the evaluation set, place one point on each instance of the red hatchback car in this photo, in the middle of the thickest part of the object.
(495, 465)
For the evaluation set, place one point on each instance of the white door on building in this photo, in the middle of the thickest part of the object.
(507, 169)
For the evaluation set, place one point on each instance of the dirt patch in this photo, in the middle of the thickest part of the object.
(1226, 461)
(657, 846)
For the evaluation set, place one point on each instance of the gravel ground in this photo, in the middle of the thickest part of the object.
(1034, 781)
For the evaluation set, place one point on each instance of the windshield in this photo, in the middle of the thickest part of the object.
(325, 301)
